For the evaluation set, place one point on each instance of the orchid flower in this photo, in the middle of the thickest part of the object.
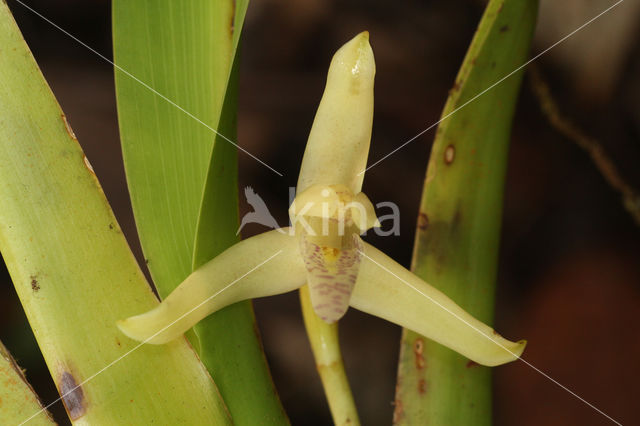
(323, 246)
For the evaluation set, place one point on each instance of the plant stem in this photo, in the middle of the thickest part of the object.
(326, 351)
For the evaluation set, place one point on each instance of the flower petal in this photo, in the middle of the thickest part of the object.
(339, 140)
(388, 290)
(263, 265)
(363, 213)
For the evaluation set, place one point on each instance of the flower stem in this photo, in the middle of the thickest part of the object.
(326, 351)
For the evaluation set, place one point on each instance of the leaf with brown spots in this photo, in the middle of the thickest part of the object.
(463, 198)
(18, 401)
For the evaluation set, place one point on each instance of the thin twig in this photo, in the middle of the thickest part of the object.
(604, 164)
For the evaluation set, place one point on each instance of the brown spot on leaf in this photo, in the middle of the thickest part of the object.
(72, 396)
(422, 386)
(449, 154)
(68, 127)
(457, 219)
(398, 412)
(504, 28)
(471, 364)
(423, 221)
(35, 286)
(233, 19)
(418, 347)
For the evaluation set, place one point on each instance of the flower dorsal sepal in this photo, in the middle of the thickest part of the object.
(328, 220)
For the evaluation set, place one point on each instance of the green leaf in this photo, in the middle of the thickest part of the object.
(182, 175)
(457, 240)
(73, 270)
(229, 342)
(18, 401)
(183, 52)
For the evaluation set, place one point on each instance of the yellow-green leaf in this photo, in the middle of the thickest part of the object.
(456, 245)
(18, 401)
(177, 134)
(73, 270)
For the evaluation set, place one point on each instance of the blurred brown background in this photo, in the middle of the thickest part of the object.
(569, 277)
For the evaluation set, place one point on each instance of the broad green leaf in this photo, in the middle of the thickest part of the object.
(228, 341)
(73, 271)
(18, 401)
(458, 233)
(182, 175)
(183, 52)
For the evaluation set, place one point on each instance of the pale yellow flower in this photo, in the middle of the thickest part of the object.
(323, 248)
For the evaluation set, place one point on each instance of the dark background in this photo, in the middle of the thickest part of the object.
(570, 255)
